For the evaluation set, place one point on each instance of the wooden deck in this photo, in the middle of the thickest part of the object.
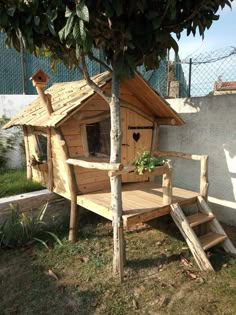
(141, 202)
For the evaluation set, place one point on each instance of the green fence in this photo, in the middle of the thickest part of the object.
(16, 70)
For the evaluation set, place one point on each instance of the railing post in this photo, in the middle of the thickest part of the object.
(167, 184)
(204, 177)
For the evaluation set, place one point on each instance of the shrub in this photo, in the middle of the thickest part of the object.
(146, 162)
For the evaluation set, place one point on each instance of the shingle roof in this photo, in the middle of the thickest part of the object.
(67, 97)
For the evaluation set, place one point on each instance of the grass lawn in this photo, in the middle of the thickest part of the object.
(161, 278)
(13, 182)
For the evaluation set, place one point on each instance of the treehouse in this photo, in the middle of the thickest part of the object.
(67, 142)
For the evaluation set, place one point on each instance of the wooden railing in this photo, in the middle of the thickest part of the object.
(203, 165)
(116, 169)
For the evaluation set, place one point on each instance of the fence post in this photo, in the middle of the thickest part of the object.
(23, 68)
(189, 77)
(168, 73)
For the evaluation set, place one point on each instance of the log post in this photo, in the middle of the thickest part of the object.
(204, 177)
(167, 184)
(74, 211)
(115, 181)
(27, 153)
(155, 141)
(49, 160)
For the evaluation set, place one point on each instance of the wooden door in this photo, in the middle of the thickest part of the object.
(137, 137)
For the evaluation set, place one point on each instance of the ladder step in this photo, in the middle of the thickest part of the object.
(199, 218)
(211, 239)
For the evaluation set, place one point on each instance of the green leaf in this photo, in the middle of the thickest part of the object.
(41, 241)
(69, 25)
(174, 45)
(82, 30)
(82, 12)
(77, 51)
(11, 10)
(36, 20)
(68, 12)
(76, 31)
(61, 34)
(51, 27)
(56, 238)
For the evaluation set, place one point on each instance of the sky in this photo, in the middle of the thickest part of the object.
(221, 34)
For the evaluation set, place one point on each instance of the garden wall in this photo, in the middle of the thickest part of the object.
(210, 128)
(10, 105)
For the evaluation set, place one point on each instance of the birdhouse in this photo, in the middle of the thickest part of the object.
(40, 79)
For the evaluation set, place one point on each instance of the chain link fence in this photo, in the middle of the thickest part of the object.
(198, 75)
(209, 73)
(16, 69)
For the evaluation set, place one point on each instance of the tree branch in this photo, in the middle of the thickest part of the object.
(91, 83)
(92, 57)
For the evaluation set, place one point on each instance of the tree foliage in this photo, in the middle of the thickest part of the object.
(135, 31)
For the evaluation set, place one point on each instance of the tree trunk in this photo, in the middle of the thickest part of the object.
(115, 157)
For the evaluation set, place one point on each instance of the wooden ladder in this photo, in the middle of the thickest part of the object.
(198, 245)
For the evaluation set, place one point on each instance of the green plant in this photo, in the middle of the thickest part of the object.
(21, 228)
(8, 142)
(146, 162)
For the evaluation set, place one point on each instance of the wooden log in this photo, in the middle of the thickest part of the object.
(178, 154)
(27, 153)
(167, 184)
(74, 213)
(190, 237)
(158, 170)
(97, 165)
(49, 161)
(46, 98)
(215, 226)
(204, 177)
(155, 141)
(126, 169)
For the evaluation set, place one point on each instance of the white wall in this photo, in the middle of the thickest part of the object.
(210, 129)
(10, 105)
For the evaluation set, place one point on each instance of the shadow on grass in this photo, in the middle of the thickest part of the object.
(27, 288)
(154, 261)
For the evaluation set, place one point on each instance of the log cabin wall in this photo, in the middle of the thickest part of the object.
(74, 131)
(137, 136)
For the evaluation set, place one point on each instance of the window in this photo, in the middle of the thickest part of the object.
(98, 137)
(42, 147)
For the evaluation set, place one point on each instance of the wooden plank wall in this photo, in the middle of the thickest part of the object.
(88, 180)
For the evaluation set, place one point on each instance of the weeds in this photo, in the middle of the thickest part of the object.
(21, 228)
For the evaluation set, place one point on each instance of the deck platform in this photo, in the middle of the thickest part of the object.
(141, 202)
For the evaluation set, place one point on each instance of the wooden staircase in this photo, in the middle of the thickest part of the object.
(199, 244)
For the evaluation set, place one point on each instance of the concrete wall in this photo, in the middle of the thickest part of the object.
(210, 129)
(10, 105)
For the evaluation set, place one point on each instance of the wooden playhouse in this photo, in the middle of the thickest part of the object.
(66, 133)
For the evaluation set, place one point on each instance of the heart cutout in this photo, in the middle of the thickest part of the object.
(136, 136)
